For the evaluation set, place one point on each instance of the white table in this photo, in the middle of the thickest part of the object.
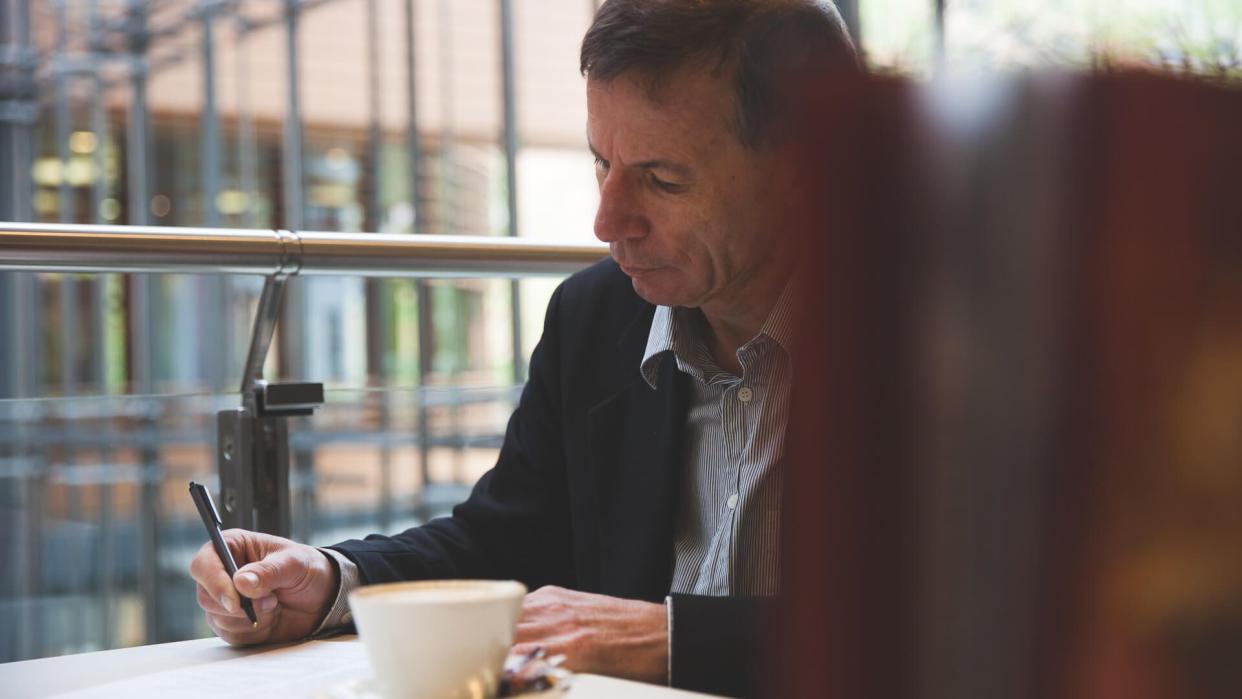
(212, 669)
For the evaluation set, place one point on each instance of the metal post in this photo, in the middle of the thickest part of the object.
(32, 578)
(247, 145)
(374, 135)
(30, 534)
(212, 325)
(292, 156)
(295, 337)
(99, 292)
(509, 100)
(141, 359)
(66, 201)
(64, 194)
(136, 163)
(210, 123)
(413, 146)
(18, 295)
(448, 176)
(247, 149)
(421, 288)
(99, 115)
(446, 224)
(18, 111)
(106, 554)
(377, 290)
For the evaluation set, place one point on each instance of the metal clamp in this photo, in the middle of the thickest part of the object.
(253, 440)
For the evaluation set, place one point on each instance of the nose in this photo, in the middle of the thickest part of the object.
(620, 216)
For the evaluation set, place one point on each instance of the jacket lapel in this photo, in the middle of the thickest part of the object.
(635, 447)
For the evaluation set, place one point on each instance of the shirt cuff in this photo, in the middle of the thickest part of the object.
(668, 607)
(348, 580)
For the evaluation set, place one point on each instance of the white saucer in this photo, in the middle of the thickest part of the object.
(365, 688)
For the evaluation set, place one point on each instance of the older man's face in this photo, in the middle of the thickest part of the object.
(692, 216)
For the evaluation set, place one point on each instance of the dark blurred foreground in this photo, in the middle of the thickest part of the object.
(1016, 456)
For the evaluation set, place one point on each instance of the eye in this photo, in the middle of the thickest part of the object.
(665, 185)
(600, 163)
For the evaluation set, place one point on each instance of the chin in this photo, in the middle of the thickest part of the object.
(659, 294)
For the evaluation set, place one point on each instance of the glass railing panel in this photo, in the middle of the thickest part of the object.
(96, 519)
(98, 530)
(362, 464)
(68, 335)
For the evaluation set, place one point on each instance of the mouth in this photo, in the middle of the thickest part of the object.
(634, 270)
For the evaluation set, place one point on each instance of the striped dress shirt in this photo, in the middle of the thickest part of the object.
(727, 535)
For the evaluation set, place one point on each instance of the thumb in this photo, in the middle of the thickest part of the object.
(276, 571)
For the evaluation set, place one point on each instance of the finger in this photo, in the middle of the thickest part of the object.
(207, 570)
(550, 648)
(232, 624)
(281, 570)
(538, 631)
(524, 649)
(526, 633)
(238, 632)
(261, 605)
(212, 605)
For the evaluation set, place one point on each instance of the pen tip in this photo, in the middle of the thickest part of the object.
(255, 624)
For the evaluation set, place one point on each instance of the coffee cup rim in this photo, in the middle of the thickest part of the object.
(493, 589)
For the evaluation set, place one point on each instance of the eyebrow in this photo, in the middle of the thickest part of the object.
(673, 167)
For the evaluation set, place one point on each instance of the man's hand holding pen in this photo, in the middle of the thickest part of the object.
(291, 585)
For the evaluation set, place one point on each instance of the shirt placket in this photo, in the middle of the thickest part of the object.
(746, 401)
(732, 414)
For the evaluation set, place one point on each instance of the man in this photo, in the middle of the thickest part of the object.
(637, 491)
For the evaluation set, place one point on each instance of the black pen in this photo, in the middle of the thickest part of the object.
(211, 520)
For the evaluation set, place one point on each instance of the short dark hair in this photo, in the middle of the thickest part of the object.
(767, 44)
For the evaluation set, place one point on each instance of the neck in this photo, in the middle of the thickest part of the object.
(735, 321)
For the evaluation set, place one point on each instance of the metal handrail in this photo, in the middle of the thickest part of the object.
(41, 247)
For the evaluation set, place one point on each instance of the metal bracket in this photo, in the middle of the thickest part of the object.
(252, 441)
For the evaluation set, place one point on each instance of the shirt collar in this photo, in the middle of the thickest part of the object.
(680, 331)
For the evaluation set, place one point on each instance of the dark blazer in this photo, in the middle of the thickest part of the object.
(584, 491)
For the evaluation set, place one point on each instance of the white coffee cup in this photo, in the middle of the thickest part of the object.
(437, 639)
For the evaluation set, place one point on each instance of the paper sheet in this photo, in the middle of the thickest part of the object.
(306, 670)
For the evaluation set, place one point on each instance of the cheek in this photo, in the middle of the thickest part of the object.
(684, 231)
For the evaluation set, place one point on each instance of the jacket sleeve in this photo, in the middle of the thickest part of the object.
(714, 643)
(515, 524)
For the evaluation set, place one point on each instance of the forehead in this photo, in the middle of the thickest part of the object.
(690, 108)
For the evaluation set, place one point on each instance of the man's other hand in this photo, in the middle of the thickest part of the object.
(596, 633)
(290, 585)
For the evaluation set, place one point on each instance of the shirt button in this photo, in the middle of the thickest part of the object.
(732, 501)
(744, 394)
